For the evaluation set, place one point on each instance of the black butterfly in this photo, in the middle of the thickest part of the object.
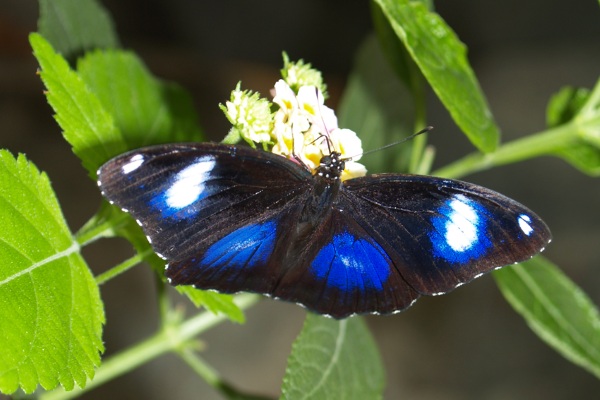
(235, 219)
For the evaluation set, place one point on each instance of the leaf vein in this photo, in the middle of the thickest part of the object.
(334, 359)
(70, 250)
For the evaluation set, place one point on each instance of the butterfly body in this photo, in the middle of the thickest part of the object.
(233, 219)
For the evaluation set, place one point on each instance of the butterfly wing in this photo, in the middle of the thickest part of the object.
(342, 270)
(442, 233)
(214, 212)
(391, 238)
(235, 219)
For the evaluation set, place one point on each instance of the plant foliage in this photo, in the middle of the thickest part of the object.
(107, 102)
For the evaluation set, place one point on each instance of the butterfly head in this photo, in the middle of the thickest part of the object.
(331, 166)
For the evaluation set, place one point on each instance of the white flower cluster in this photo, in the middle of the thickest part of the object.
(300, 127)
(308, 129)
(250, 116)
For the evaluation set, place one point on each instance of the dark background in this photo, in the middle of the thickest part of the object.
(465, 345)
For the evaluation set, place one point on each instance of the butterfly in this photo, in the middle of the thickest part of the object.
(232, 218)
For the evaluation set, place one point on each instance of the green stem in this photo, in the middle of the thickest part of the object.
(122, 267)
(542, 143)
(106, 229)
(162, 342)
(426, 161)
(233, 137)
(419, 143)
(164, 303)
(591, 105)
(209, 374)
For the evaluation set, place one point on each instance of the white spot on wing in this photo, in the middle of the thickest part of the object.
(461, 229)
(525, 224)
(133, 163)
(188, 184)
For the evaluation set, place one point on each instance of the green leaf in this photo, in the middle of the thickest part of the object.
(443, 61)
(76, 26)
(564, 105)
(582, 156)
(113, 104)
(214, 302)
(394, 50)
(556, 309)
(146, 110)
(334, 359)
(86, 125)
(51, 314)
(579, 109)
(379, 107)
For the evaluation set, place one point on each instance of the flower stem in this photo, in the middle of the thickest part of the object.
(160, 343)
(122, 267)
(426, 161)
(210, 375)
(91, 232)
(418, 90)
(542, 143)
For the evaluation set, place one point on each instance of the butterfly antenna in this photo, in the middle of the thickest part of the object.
(406, 139)
(321, 135)
(326, 135)
(295, 156)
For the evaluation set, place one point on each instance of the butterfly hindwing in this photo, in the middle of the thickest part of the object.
(342, 270)
(248, 258)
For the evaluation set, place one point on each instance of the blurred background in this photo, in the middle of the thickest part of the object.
(466, 345)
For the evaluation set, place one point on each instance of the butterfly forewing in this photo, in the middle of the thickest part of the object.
(188, 196)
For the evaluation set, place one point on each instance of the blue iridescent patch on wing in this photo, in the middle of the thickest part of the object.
(186, 187)
(350, 263)
(460, 231)
(248, 246)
